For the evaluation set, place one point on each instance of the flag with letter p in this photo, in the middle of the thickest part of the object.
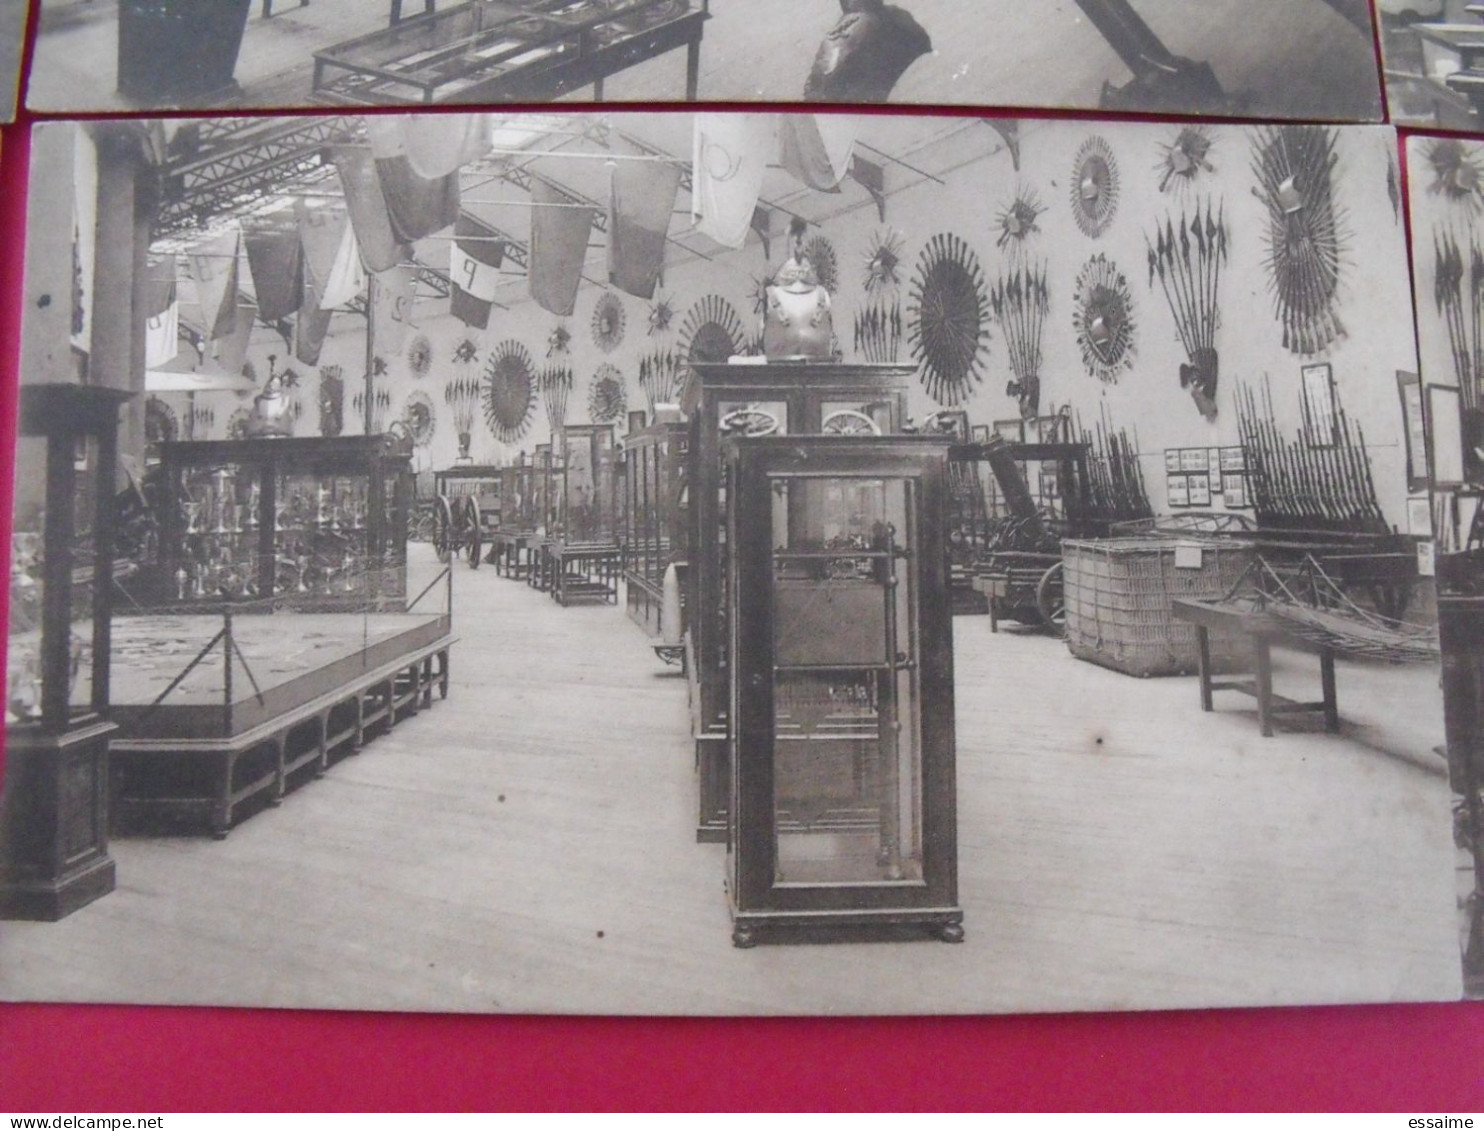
(474, 268)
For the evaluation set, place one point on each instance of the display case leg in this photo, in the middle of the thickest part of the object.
(744, 938)
(950, 932)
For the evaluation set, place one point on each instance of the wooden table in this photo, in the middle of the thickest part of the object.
(510, 553)
(1265, 632)
(583, 571)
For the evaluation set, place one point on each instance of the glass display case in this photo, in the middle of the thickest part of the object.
(657, 504)
(54, 807)
(587, 484)
(508, 51)
(783, 398)
(315, 524)
(842, 715)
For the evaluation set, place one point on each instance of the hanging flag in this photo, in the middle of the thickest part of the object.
(231, 351)
(439, 144)
(320, 234)
(347, 281)
(559, 238)
(417, 205)
(731, 154)
(162, 314)
(474, 267)
(638, 224)
(214, 267)
(380, 247)
(391, 309)
(817, 148)
(276, 259)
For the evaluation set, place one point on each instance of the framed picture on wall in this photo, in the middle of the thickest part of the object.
(1445, 433)
(1419, 516)
(1321, 412)
(637, 420)
(1011, 430)
(1200, 491)
(1233, 459)
(1193, 459)
(1234, 491)
(1178, 490)
(980, 434)
(1414, 429)
(1172, 460)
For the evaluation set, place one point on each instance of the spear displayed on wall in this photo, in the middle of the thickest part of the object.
(555, 383)
(1187, 258)
(1019, 302)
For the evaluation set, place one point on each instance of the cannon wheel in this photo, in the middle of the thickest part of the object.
(443, 530)
(475, 544)
(1051, 600)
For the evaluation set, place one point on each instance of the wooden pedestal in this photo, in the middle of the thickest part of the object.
(54, 822)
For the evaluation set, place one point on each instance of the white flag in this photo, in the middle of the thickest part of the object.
(731, 155)
(347, 280)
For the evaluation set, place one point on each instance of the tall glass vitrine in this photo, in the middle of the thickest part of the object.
(54, 803)
(779, 398)
(842, 792)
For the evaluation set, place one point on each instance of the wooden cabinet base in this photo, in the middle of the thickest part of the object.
(54, 823)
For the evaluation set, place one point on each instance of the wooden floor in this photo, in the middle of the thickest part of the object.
(528, 846)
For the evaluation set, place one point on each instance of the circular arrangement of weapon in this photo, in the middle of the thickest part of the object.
(849, 422)
(949, 330)
(509, 391)
(555, 383)
(1295, 167)
(820, 253)
(661, 315)
(419, 418)
(160, 423)
(749, 422)
(420, 356)
(1188, 259)
(1183, 160)
(607, 395)
(1457, 172)
(1018, 221)
(1095, 186)
(759, 293)
(609, 322)
(711, 332)
(466, 352)
(1103, 318)
(1021, 301)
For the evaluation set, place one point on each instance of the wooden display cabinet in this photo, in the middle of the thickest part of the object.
(587, 478)
(792, 398)
(842, 792)
(657, 505)
(54, 806)
(510, 540)
(314, 524)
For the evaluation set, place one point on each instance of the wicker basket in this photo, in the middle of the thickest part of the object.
(1118, 593)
